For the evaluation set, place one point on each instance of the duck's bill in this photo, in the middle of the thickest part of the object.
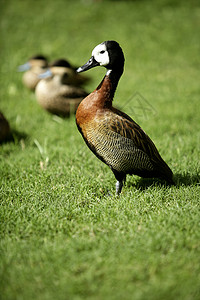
(24, 67)
(46, 74)
(89, 65)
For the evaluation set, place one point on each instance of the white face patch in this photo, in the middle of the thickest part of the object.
(101, 55)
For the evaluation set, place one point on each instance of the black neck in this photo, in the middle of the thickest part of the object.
(114, 76)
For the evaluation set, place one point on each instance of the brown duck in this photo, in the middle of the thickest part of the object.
(110, 134)
(36, 65)
(74, 79)
(58, 91)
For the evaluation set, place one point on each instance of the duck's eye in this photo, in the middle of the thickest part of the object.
(102, 51)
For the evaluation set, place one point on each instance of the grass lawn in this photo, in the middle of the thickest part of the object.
(64, 235)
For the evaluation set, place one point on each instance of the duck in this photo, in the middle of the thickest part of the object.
(36, 65)
(75, 78)
(58, 91)
(113, 136)
(4, 128)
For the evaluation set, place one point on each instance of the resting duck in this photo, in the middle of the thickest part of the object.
(75, 78)
(57, 92)
(110, 134)
(35, 66)
(4, 128)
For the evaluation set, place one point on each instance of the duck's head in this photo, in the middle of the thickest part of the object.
(107, 54)
(60, 69)
(35, 61)
(61, 62)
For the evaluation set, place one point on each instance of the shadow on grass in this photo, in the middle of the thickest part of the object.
(144, 183)
(15, 137)
(185, 179)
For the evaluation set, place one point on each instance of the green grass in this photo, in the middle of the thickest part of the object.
(62, 235)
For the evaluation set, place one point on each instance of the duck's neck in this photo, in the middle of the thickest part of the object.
(108, 86)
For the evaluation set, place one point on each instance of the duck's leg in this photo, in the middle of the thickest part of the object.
(121, 178)
(119, 185)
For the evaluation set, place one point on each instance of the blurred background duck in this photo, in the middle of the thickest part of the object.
(4, 128)
(75, 78)
(59, 90)
(36, 65)
(110, 134)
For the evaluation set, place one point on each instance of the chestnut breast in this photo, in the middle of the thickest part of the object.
(95, 105)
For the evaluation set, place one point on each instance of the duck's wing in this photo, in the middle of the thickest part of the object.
(128, 128)
(134, 137)
(80, 80)
(69, 91)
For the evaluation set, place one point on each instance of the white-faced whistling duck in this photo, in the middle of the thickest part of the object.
(36, 65)
(110, 134)
(57, 92)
